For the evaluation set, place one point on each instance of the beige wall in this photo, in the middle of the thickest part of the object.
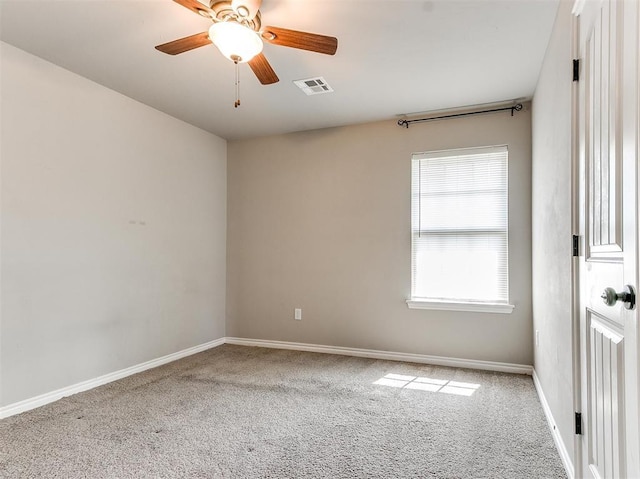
(551, 206)
(320, 220)
(113, 230)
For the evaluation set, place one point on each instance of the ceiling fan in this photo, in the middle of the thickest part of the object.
(238, 33)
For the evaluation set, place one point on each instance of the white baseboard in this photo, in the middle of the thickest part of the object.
(566, 459)
(31, 403)
(389, 355)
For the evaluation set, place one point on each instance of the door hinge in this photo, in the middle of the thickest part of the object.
(576, 70)
(575, 249)
(579, 423)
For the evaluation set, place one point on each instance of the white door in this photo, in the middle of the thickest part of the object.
(608, 121)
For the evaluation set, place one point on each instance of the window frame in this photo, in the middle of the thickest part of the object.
(459, 304)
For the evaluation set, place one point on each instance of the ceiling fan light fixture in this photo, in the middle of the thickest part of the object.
(235, 41)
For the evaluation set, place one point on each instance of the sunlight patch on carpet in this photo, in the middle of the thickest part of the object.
(427, 384)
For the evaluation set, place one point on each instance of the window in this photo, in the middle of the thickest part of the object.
(459, 230)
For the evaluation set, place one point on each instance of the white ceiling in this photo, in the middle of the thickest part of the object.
(394, 57)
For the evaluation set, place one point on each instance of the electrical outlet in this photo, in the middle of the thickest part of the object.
(537, 337)
(297, 314)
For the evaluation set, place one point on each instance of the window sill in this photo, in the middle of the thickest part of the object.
(460, 306)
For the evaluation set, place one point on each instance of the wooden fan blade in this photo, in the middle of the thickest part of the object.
(302, 40)
(246, 8)
(197, 7)
(185, 44)
(263, 70)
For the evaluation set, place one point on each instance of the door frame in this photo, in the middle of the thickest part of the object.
(576, 203)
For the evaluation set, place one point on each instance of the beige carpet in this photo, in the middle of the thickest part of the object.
(240, 412)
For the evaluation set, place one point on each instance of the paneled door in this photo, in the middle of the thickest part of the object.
(608, 143)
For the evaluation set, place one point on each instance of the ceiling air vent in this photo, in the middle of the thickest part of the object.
(313, 86)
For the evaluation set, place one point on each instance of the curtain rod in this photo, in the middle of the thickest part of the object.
(406, 123)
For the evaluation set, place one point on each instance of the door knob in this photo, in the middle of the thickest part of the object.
(627, 296)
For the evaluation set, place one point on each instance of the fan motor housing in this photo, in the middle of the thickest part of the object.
(225, 12)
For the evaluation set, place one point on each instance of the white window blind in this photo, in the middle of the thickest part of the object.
(459, 207)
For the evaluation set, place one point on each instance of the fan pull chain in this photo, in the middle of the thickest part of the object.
(237, 103)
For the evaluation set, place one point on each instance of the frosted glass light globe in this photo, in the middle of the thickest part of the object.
(235, 41)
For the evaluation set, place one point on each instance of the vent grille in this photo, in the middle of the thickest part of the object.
(314, 86)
